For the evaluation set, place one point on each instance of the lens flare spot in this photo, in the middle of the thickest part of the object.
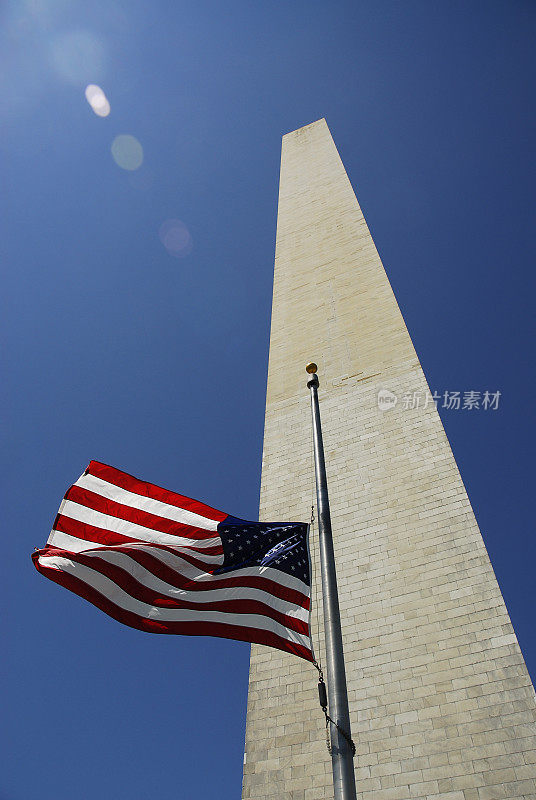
(176, 238)
(97, 100)
(127, 152)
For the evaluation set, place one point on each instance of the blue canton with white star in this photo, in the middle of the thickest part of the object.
(278, 545)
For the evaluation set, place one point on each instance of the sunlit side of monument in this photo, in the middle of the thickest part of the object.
(441, 703)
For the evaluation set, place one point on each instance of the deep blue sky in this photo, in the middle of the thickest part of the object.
(117, 351)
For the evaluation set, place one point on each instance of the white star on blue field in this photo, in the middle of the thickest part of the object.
(282, 547)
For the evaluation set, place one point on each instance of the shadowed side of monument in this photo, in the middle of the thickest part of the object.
(441, 703)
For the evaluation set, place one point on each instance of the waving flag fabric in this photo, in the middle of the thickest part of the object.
(164, 563)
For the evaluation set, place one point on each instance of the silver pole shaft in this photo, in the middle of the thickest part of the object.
(341, 756)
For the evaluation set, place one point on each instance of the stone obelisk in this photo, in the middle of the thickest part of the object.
(441, 703)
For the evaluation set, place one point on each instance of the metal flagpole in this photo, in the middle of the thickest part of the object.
(341, 749)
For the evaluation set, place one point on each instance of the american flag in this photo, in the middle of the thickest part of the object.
(164, 563)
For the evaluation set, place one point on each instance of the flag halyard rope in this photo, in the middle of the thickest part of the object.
(323, 699)
(322, 693)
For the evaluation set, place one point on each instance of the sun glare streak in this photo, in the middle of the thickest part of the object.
(127, 152)
(97, 100)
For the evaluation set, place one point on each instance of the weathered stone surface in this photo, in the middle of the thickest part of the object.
(440, 699)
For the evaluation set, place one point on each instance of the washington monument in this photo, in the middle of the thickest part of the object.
(441, 703)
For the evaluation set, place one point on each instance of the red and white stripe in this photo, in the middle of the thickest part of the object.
(146, 556)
